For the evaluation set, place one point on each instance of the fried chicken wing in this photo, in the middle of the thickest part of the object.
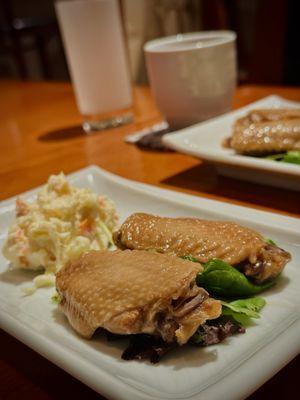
(204, 240)
(132, 292)
(267, 131)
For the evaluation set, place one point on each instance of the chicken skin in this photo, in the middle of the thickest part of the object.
(266, 131)
(133, 292)
(204, 240)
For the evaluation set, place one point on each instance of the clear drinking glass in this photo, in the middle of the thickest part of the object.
(94, 44)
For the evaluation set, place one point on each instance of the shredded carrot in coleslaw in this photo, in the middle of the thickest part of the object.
(59, 225)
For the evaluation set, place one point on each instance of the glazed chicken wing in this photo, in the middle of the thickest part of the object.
(204, 240)
(267, 131)
(131, 292)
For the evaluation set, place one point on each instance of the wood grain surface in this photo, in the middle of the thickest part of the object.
(40, 134)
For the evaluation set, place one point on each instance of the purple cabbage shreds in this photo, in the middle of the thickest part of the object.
(146, 347)
(215, 331)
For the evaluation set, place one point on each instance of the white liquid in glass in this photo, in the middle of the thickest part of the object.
(95, 50)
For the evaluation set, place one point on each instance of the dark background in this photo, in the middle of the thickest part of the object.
(268, 36)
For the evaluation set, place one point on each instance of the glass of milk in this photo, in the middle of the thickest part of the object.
(95, 50)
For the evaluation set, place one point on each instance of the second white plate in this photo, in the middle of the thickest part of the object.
(204, 140)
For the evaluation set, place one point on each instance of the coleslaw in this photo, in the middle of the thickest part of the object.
(63, 222)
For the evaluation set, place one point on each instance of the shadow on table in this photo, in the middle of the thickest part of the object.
(61, 134)
(203, 178)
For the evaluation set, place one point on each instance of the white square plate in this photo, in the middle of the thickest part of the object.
(231, 370)
(204, 140)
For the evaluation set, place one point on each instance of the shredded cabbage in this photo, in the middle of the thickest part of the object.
(63, 222)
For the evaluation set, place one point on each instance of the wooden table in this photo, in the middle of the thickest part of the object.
(40, 135)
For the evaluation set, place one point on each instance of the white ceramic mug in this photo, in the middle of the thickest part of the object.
(192, 75)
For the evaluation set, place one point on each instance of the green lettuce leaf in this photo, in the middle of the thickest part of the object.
(270, 241)
(221, 279)
(197, 337)
(244, 309)
(292, 157)
(56, 299)
(249, 307)
(275, 157)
